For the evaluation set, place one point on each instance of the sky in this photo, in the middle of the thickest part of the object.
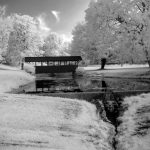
(58, 16)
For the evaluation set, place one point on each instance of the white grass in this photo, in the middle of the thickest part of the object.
(11, 77)
(134, 132)
(126, 66)
(96, 67)
(6, 67)
(117, 71)
(51, 123)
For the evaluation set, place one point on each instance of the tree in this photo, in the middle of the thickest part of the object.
(136, 24)
(2, 11)
(96, 38)
(24, 39)
(5, 29)
(54, 45)
(132, 30)
(80, 43)
(101, 28)
(116, 28)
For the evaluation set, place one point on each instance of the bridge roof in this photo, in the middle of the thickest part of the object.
(54, 58)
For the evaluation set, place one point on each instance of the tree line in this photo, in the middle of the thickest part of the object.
(118, 30)
(20, 36)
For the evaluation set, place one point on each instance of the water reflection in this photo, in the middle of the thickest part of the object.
(104, 86)
(57, 85)
(81, 84)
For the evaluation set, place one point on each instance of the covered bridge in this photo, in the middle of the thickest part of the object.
(57, 64)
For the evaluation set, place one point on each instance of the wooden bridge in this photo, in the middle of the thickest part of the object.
(61, 64)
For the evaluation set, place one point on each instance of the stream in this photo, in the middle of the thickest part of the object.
(107, 94)
(84, 84)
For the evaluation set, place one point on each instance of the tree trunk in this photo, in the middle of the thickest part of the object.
(148, 63)
(103, 62)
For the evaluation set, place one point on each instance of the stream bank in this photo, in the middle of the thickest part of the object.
(107, 100)
(130, 115)
(109, 105)
(28, 114)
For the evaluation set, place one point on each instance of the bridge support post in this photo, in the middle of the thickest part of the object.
(74, 73)
(22, 64)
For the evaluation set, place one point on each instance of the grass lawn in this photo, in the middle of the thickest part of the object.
(117, 71)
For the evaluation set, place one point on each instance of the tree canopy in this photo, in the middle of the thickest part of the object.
(116, 29)
(20, 36)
